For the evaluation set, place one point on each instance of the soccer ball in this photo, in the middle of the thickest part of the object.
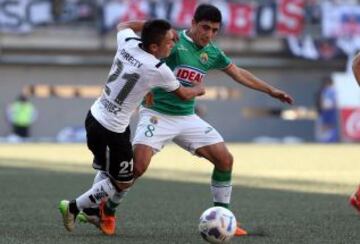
(217, 225)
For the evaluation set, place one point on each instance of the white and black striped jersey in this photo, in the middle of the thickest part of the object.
(133, 74)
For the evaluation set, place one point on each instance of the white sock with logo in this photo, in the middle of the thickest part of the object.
(92, 198)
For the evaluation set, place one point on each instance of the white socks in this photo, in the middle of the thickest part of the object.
(221, 192)
(93, 197)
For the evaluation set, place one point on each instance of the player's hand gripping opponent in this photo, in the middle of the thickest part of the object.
(198, 88)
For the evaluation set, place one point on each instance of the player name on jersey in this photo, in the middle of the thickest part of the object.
(128, 57)
(188, 75)
(109, 106)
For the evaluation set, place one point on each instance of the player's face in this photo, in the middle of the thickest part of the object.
(204, 32)
(164, 49)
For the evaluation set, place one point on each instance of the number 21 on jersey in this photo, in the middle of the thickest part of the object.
(129, 78)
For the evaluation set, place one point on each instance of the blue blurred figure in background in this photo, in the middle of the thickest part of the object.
(327, 129)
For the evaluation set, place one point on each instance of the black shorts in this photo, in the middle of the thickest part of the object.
(22, 131)
(112, 151)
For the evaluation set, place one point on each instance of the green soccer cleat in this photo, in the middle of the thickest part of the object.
(89, 215)
(81, 217)
(68, 218)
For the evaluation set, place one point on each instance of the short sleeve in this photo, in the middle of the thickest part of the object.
(167, 79)
(123, 34)
(222, 60)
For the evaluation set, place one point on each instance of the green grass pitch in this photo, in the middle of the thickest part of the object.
(287, 194)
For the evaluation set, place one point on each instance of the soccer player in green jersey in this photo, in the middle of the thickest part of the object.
(171, 119)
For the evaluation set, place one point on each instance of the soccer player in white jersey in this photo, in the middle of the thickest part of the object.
(135, 71)
(172, 119)
(355, 197)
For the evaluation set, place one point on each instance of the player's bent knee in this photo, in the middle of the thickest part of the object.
(139, 170)
(225, 163)
(231, 159)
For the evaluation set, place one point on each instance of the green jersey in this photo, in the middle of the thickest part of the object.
(189, 63)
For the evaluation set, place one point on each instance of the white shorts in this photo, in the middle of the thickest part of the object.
(189, 132)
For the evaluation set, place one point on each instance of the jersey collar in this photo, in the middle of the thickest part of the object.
(191, 40)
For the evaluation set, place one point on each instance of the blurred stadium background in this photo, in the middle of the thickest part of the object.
(59, 53)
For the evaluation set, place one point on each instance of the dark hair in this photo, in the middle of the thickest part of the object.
(22, 98)
(154, 31)
(207, 12)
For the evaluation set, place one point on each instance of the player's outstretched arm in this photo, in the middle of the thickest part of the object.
(187, 93)
(356, 68)
(247, 79)
(136, 25)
